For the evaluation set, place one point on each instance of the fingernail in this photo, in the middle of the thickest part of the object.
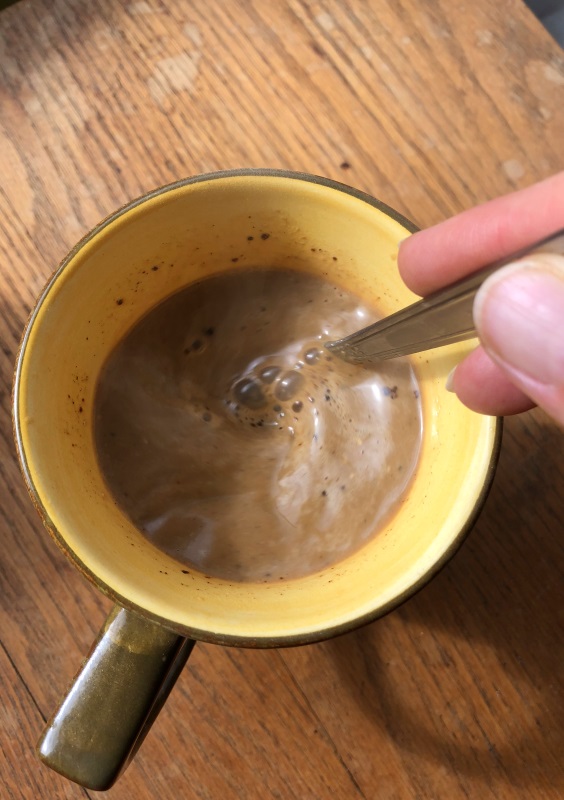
(405, 238)
(450, 380)
(519, 316)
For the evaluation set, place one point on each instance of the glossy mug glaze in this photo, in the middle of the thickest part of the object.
(134, 259)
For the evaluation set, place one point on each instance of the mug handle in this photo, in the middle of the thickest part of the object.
(113, 700)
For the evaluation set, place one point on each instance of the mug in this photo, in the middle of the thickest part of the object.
(134, 259)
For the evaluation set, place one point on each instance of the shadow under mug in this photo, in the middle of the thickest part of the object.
(137, 257)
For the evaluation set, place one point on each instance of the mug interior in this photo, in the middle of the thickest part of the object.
(137, 258)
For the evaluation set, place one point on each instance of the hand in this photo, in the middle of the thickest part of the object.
(518, 311)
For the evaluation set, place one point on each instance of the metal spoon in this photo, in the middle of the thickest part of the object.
(441, 318)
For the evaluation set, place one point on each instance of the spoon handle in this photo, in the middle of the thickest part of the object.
(441, 318)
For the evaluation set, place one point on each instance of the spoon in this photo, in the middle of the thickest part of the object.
(442, 318)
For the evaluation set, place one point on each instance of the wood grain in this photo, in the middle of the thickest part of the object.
(430, 106)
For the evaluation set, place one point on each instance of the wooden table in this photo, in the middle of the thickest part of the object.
(432, 106)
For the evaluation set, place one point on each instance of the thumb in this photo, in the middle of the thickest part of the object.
(519, 316)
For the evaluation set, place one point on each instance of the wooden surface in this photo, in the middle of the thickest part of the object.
(430, 106)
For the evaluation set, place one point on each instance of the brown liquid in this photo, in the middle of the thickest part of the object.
(239, 446)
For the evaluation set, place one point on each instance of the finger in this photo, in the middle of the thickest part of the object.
(519, 316)
(483, 386)
(446, 252)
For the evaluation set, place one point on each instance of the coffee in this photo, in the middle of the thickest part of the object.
(242, 448)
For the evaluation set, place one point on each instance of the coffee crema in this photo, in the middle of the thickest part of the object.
(237, 444)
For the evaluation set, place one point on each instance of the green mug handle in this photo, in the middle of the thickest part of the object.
(113, 700)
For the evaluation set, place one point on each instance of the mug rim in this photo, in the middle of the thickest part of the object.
(203, 634)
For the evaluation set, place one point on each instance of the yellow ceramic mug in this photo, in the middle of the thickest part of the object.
(129, 263)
